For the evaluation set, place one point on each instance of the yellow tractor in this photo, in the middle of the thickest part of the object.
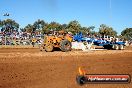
(56, 40)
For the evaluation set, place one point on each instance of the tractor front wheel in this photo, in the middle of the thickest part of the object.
(41, 48)
(48, 47)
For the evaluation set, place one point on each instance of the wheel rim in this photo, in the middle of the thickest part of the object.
(67, 46)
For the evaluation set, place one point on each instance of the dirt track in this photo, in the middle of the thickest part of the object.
(30, 68)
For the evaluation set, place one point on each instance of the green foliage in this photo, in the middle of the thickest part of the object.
(39, 24)
(52, 26)
(29, 28)
(0, 23)
(85, 30)
(74, 26)
(64, 26)
(45, 29)
(23, 29)
(106, 30)
(127, 33)
(9, 22)
(55, 26)
(9, 25)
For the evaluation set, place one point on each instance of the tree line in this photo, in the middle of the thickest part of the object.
(73, 27)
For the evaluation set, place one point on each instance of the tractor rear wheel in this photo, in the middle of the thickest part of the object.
(48, 47)
(65, 45)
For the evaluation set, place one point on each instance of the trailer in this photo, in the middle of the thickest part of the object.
(107, 44)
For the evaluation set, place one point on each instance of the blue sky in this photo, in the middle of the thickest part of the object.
(114, 13)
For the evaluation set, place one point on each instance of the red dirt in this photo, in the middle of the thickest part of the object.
(30, 68)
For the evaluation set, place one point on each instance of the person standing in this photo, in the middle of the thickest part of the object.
(33, 41)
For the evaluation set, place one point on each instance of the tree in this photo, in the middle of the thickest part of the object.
(39, 24)
(22, 29)
(52, 26)
(85, 30)
(74, 26)
(91, 27)
(127, 33)
(29, 28)
(106, 30)
(45, 29)
(64, 26)
(0, 23)
(9, 25)
(55, 26)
